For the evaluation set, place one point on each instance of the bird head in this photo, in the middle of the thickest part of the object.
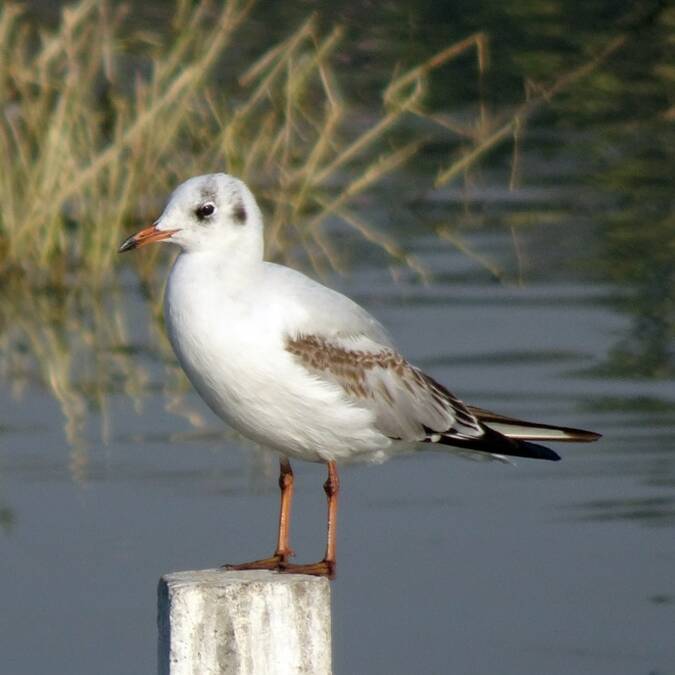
(211, 212)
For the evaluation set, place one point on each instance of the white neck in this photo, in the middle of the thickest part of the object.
(217, 268)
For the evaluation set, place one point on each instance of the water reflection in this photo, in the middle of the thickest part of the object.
(67, 341)
(649, 510)
(639, 255)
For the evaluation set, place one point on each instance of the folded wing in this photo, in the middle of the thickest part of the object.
(410, 406)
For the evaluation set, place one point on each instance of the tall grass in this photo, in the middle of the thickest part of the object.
(92, 138)
(99, 122)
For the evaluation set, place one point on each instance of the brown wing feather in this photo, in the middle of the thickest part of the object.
(408, 405)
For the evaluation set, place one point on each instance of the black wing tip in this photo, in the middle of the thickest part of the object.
(495, 443)
(536, 451)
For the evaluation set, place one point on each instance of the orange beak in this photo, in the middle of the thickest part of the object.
(147, 235)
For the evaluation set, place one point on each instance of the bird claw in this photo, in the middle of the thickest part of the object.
(279, 563)
(323, 568)
(274, 562)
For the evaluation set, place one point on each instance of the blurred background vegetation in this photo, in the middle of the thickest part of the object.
(326, 110)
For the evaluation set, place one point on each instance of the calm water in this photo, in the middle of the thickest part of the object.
(444, 565)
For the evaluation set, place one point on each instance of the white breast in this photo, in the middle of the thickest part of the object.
(228, 332)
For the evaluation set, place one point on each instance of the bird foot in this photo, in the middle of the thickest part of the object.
(279, 563)
(323, 568)
(275, 562)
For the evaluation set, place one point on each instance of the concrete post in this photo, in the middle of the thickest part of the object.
(218, 622)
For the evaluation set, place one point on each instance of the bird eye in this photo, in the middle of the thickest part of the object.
(205, 210)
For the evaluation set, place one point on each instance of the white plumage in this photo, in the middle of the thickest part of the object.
(228, 330)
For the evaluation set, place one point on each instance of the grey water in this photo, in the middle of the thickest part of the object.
(444, 565)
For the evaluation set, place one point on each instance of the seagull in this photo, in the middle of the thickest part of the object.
(299, 368)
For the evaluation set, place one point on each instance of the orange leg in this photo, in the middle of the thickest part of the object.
(286, 485)
(283, 550)
(325, 567)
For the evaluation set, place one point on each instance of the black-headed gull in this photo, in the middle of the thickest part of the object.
(300, 368)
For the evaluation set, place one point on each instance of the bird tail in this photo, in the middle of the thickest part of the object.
(531, 431)
(505, 437)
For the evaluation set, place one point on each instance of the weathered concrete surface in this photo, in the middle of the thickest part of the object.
(217, 622)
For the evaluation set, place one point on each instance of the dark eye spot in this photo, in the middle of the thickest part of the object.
(205, 210)
(239, 213)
